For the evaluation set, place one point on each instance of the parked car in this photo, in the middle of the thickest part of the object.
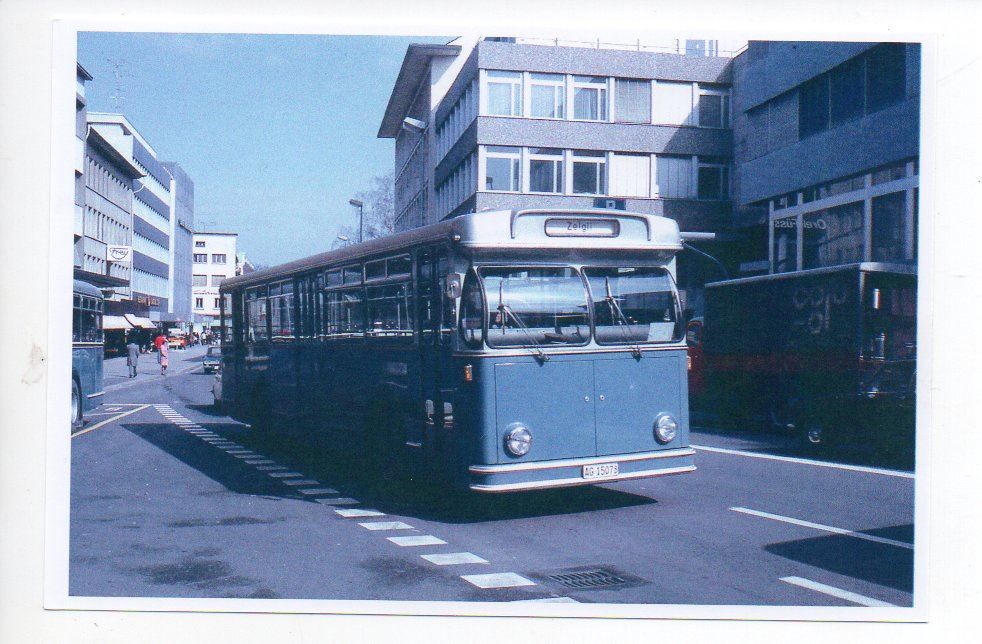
(176, 342)
(213, 359)
(216, 390)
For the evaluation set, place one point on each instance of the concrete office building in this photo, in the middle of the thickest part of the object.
(214, 261)
(499, 123)
(103, 203)
(825, 154)
(181, 234)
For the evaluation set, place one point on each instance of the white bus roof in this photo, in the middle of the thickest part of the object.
(534, 229)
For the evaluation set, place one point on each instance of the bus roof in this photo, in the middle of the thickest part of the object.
(535, 229)
(84, 288)
(867, 267)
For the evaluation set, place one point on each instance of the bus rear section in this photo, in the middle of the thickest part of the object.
(828, 354)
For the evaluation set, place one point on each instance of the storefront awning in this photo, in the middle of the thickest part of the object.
(140, 322)
(115, 323)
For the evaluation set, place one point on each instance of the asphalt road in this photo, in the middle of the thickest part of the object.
(171, 499)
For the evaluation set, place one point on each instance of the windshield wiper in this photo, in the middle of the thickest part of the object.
(616, 308)
(505, 311)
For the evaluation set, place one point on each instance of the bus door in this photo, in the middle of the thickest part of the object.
(431, 262)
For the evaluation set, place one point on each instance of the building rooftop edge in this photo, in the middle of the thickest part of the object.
(413, 64)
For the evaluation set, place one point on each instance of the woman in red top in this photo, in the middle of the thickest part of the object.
(162, 358)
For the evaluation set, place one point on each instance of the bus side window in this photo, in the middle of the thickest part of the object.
(472, 312)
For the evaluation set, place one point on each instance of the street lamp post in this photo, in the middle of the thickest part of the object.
(361, 218)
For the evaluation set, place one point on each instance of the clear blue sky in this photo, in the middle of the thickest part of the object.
(277, 132)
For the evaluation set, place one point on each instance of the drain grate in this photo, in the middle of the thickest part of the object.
(592, 578)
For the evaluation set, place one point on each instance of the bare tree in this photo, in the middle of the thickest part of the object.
(379, 200)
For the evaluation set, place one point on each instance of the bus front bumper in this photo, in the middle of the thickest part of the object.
(539, 475)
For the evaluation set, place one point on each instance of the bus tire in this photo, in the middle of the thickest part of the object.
(76, 406)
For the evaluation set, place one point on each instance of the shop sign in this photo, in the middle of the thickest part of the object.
(119, 254)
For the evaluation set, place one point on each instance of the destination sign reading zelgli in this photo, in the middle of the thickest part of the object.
(581, 227)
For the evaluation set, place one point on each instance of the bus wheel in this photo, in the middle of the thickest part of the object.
(76, 406)
(814, 435)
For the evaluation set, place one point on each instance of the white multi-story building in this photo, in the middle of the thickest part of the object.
(213, 260)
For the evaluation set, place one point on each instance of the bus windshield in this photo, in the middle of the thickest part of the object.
(530, 306)
(633, 305)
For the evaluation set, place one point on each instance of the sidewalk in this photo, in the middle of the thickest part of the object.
(115, 372)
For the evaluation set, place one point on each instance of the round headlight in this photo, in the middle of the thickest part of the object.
(518, 440)
(666, 428)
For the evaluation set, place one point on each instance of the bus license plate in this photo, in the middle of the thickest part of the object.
(601, 471)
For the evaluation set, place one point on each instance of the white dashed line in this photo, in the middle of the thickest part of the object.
(832, 591)
(826, 528)
(283, 475)
(266, 468)
(806, 461)
(386, 525)
(498, 580)
(260, 461)
(340, 501)
(355, 513)
(454, 558)
(417, 540)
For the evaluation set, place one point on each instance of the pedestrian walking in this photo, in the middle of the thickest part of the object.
(162, 358)
(132, 356)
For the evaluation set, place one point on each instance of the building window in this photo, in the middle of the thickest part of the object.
(888, 227)
(199, 244)
(785, 248)
(813, 106)
(833, 236)
(633, 101)
(547, 96)
(589, 172)
(673, 103)
(199, 280)
(847, 91)
(504, 91)
(200, 258)
(216, 280)
(218, 302)
(674, 177)
(502, 168)
(589, 98)
(545, 170)
(630, 174)
(218, 258)
(886, 72)
(713, 180)
(199, 302)
(714, 107)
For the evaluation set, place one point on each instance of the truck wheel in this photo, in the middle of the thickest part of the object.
(76, 406)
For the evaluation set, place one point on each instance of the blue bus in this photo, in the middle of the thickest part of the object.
(87, 349)
(506, 351)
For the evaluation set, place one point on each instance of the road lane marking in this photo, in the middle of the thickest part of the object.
(300, 482)
(386, 525)
(416, 540)
(356, 513)
(340, 501)
(263, 461)
(318, 491)
(855, 598)
(826, 528)
(109, 420)
(546, 600)
(454, 558)
(283, 475)
(498, 580)
(806, 461)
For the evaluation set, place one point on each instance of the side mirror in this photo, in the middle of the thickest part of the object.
(453, 285)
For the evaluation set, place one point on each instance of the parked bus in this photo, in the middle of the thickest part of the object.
(87, 349)
(827, 353)
(510, 350)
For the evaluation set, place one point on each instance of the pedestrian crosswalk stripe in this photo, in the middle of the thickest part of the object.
(358, 512)
(417, 540)
(283, 475)
(454, 558)
(498, 580)
(317, 490)
(386, 525)
(339, 501)
(300, 482)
